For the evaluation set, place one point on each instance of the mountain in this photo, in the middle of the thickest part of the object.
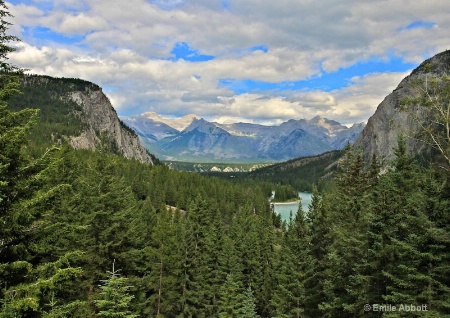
(77, 112)
(176, 123)
(380, 135)
(204, 141)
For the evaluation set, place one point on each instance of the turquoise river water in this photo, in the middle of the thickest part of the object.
(284, 209)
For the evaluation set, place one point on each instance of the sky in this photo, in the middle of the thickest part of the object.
(259, 61)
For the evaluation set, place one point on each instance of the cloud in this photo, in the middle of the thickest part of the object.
(128, 48)
(81, 24)
(358, 101)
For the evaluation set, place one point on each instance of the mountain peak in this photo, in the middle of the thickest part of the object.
(197, 122)
(179, 123)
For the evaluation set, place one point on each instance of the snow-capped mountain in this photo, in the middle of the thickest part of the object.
(191, 138)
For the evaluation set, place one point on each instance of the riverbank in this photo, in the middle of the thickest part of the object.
(285, 208)
(286, 203)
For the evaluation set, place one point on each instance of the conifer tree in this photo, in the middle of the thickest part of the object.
(289, 296)
(400, 257)
(24, 196)
(346, 288)
(193, 285)
(231, 298)
(248, 309)
(214, 260)
(165, 266)
(115, 297)
(321, 239)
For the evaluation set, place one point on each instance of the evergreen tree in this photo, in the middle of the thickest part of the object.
(248, 309)
(45, 291)
(321, 238)
(346, 288)
(288, 299)
(400, 257)
(194, 268)
(214, 261)
(24, 197)
(115, 298)
(165, 266)
(231, 298)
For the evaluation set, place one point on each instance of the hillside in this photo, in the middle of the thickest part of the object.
(79, 113)
(300, 173)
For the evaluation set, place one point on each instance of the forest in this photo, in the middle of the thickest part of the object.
(92, 234)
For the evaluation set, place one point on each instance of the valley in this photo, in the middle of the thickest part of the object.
(88, 199)
(214, 167)
(154, 216)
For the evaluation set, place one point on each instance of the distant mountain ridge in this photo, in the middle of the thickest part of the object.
(192, 138)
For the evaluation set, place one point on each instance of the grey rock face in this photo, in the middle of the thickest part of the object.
(380, 135)
(100, 118)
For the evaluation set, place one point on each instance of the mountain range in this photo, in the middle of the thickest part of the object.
(192, 138)
(78, 112)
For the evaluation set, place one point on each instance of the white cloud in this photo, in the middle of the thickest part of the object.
(126, 48)
(358, 101)
(81, 24)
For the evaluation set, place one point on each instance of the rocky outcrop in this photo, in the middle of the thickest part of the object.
(380, 135)
(101, 121)
(84, 108)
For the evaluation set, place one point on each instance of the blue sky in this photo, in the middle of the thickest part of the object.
(241, 60)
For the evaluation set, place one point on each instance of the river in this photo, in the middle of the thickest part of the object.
(284, 209)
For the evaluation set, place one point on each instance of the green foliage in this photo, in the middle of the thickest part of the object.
(248, 309)
(284, 193)
(301, 173)
(292, 262)
(44, 289)
(369, 238)
(429, 106)
(115, 299)
(59, 116)
(236, 301)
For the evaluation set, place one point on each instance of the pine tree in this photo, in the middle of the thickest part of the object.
(321, 239)
(193, 283)
(231, 298)
(165, 266)
(104, 204)
(400, 257)
(115, 298)
(288, 298)
(24, 198)
(213, 259)
(248, 309)
(46, 288)
(346, 288)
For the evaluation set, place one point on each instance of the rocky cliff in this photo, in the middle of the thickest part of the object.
(380, 135)
(88, 109)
